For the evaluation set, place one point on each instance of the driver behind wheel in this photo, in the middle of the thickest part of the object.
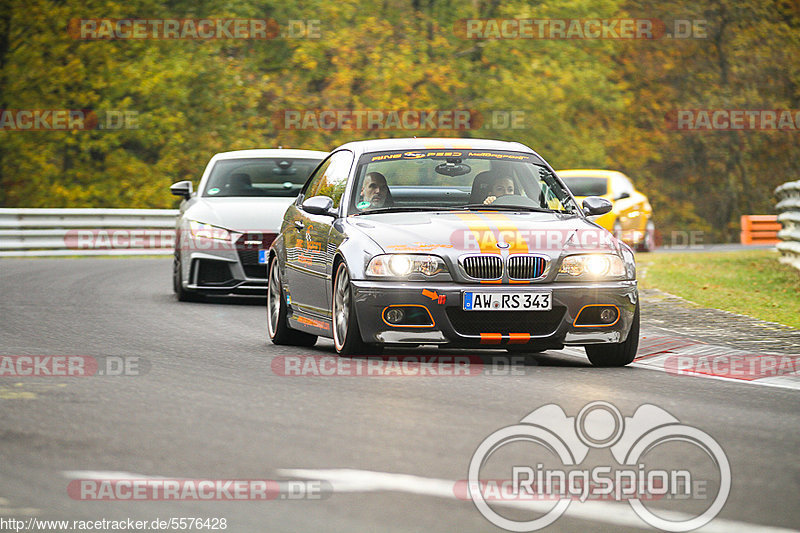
(374, 192)
(501, 186)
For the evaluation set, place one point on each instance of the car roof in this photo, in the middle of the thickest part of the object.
(271, 152)
(431, 143)
(589, 173)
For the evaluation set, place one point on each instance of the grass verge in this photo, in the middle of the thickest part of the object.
(750, 282)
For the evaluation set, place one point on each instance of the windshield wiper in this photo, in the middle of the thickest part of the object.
(510, 208)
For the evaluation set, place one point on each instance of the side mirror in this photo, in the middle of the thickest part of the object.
(623, 195)
(594, 205)
(182, 188)
(319, 205)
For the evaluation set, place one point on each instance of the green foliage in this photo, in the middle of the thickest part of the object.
(751, 283)
(585, 103)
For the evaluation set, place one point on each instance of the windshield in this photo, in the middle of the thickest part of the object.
(456, 179)
(262, 176)
(585, 186)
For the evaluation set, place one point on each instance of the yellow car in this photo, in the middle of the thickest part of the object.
(631, 219)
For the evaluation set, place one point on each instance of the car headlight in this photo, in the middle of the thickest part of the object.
(593, 266)
(403, 265)
(207, 231)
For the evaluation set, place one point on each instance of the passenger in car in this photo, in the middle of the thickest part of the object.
(374, 192)
(239, 184)
(500, 187)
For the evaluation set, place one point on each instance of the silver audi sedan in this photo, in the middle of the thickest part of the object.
(225, 227)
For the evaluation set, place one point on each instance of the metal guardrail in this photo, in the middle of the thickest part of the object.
(789, 216)
(65, 232)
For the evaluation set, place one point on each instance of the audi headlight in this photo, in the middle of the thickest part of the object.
(592, 266)
(404, 265)
(207, 231)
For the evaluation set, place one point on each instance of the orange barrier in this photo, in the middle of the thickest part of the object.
(760, 229)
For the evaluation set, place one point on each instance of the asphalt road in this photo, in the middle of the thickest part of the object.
(208, 403)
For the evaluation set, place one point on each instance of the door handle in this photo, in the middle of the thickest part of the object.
(299, 224)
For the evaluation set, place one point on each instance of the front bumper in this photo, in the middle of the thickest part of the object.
(453, 327)
(224, 271)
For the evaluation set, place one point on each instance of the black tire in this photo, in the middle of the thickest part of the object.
(183, 294)
(648, 243)
(617, 229)
(346, 334)
(374, 349)
(616, 354)
(278, 330)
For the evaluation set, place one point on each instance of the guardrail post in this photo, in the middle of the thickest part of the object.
(789, 216)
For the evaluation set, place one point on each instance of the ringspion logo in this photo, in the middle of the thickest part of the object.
(557, 447)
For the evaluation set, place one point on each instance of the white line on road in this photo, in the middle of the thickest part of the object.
(104, 474)
(791, 382)
(7, 510)
(351, 480)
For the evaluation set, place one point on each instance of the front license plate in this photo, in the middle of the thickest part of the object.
(262, 257)
(507, 301)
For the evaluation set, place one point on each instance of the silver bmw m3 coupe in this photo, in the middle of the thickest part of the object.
(462, 243)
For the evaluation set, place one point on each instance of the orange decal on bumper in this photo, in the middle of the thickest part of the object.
(491, 338)
(518, 338)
